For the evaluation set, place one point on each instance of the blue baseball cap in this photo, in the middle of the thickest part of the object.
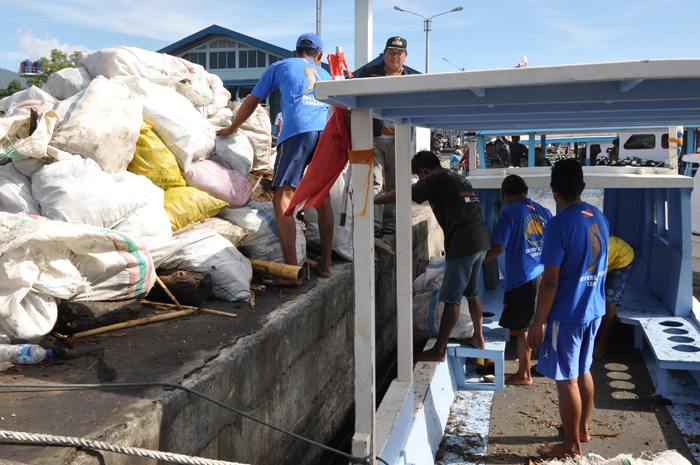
(310, 40)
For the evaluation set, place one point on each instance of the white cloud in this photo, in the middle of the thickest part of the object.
(36, 47)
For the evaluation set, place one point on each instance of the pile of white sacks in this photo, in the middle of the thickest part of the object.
(123, 175)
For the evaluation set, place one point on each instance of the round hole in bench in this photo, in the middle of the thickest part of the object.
(671, 323)
(683, 339)
(676, 331)
(488, 314)
(686, 348)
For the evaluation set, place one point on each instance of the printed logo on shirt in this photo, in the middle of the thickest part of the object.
(311, 78)
(531, 207)
(597, 244)
(534, 232)
(587, 213)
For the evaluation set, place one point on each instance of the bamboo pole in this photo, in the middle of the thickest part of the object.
(165, 306)
(136, 322)
(167, 291)
(277, 269)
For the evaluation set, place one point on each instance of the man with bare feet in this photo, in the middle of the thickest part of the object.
(571, 304)
(520, 233)
(304, 120)
(620, 258)
(457, 210)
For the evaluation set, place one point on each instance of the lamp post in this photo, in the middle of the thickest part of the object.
(461, 69)
(426, 25)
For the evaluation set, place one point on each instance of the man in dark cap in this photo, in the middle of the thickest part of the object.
(520, 233)
(395, 54)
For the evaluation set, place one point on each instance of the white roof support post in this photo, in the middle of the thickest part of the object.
(472, 154)
(363, 257)
(363, 32)
(404, 253)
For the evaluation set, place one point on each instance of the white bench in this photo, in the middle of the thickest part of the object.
(675, 343)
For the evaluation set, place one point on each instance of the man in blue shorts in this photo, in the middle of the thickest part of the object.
(457, 210)
(520, 233)
(304, 120)
(571, 303)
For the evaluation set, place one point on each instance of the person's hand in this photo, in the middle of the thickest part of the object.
(226, 131)
(535, 336)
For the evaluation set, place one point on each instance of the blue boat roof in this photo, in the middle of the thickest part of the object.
(598, 96)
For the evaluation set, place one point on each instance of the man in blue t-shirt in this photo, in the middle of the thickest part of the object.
(571, 303)
(304, 120)
(520, 233)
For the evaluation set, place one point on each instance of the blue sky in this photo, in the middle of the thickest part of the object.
(485, 35)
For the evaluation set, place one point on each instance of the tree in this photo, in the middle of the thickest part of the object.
(14, 86)
(58, 61)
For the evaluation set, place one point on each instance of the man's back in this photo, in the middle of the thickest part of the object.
(576, 240)
(295, 78)
(520, 229)
(457, 210)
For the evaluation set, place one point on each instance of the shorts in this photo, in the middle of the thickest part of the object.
(293, 155)
(520, 305)
(616, 282)
(461, 278)
(567, 349)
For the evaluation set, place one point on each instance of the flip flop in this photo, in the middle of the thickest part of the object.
(378, 233)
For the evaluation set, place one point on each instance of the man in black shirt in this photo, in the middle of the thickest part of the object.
(457, 210)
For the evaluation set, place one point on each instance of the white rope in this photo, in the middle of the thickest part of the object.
(99, 445)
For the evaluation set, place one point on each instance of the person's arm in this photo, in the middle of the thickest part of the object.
(244, 112)
(506, 141)
(494, 252)
(389, 197)
(548, 289)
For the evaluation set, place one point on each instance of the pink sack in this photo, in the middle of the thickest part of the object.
(219, 182)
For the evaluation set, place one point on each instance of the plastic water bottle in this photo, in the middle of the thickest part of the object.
(24, 354)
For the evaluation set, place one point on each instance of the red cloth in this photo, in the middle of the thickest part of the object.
(336, 63)
(328, 162)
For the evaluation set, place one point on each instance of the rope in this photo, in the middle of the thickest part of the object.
(99, 445)
(352, 458)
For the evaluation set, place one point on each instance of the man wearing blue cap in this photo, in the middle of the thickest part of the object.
(304, 119)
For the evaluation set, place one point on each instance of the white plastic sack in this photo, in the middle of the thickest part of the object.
(63, 107)
(229, 231)
(16, 192)
(149, 223)
(262, 243)
(219, 182)
(342, 235)
(205, 251)
(24, 108)
(189, 79)
(79, 191)
(258, 129)
(220, 96)
(173, 118)
(43, 260)
(667, 457)
(235, 153)
(29, 153)
(221, 119)
(104, 125)
(33, 93)
(67, 82)
(427, 312)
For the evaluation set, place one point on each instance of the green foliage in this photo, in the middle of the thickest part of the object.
(58, 61)
(14, 86)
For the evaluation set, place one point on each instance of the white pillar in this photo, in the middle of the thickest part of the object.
(404, 253)
(363, 32)
(363, 258)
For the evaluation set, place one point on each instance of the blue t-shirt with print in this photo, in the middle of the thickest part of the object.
(520, 229)
(576, 240)
(295, 78)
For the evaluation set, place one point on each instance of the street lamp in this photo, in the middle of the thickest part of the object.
(461, 69)
(426, 25)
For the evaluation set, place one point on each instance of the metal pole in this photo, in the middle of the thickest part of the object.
(319, 5)
(427, 46)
